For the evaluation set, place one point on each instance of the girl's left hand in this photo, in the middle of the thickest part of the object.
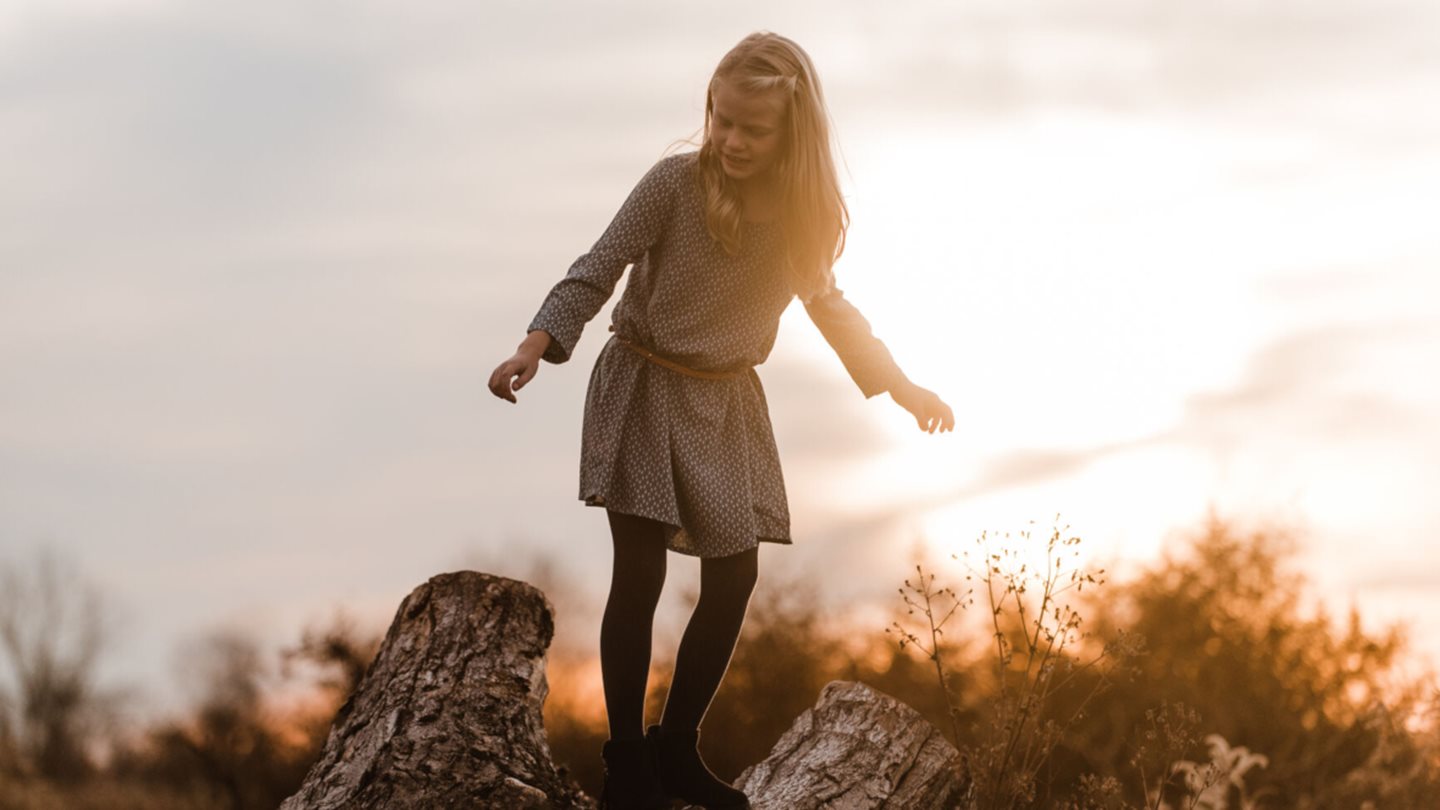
(930, 412)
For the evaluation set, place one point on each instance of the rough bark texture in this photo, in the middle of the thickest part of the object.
(856, 748)
(448, 714)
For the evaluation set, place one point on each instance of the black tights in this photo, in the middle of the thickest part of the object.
(625, 631)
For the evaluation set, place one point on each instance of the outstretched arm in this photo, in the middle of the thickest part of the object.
(577, 297)
(930, 411)
(573, 302)
(869, 362)
(511, 375)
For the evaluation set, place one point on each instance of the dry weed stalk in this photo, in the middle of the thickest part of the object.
(921, 595)
(1029, 614)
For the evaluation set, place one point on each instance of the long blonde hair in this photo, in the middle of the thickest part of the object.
(813, 216)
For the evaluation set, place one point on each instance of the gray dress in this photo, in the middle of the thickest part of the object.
(696, 454)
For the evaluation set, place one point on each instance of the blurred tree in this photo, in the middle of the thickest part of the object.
(341, 652)
(52, 631)
(1228, 636)
(339, 649)
(230, 747)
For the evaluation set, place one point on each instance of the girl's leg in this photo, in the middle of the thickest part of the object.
(709, 641)
(625, 631)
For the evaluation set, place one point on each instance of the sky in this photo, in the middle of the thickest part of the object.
(257, 263)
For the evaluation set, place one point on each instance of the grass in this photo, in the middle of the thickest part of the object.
(1046, 670)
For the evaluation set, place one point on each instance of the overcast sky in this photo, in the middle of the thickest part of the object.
(257, 262)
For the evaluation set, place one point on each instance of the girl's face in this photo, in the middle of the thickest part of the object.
(746, 130)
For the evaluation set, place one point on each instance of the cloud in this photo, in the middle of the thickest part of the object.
(1311, 386)
(1300, 389)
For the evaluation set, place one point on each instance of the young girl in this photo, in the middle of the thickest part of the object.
(677, 444)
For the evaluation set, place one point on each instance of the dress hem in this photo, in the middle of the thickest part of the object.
(689, 551)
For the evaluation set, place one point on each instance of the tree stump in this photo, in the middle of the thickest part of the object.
(449, 712)
(448, 715)
(856, 749)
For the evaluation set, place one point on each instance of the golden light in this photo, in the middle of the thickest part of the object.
(1069, 282)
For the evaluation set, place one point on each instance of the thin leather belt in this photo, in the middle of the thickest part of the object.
(671, 364)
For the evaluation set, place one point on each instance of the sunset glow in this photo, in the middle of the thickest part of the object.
(1174, 266)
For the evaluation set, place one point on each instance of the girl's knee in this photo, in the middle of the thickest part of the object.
(734, 574)
(639, 575)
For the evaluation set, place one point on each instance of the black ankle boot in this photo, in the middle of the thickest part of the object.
(631, 778)
(683, 775)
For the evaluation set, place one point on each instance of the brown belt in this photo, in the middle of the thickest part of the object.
(671, 364)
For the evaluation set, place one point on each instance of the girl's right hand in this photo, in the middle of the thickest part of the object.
(511, 375)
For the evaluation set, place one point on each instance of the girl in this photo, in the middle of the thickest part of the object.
(677, 444)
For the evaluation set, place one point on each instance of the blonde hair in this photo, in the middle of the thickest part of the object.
(813, 216)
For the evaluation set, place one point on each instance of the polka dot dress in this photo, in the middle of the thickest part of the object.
(696, 454)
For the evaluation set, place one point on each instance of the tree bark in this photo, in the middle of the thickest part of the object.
(856, 748)
(449, 712)
(448, 715)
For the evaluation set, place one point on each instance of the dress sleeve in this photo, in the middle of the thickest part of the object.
(866, 359)
(577, 297)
